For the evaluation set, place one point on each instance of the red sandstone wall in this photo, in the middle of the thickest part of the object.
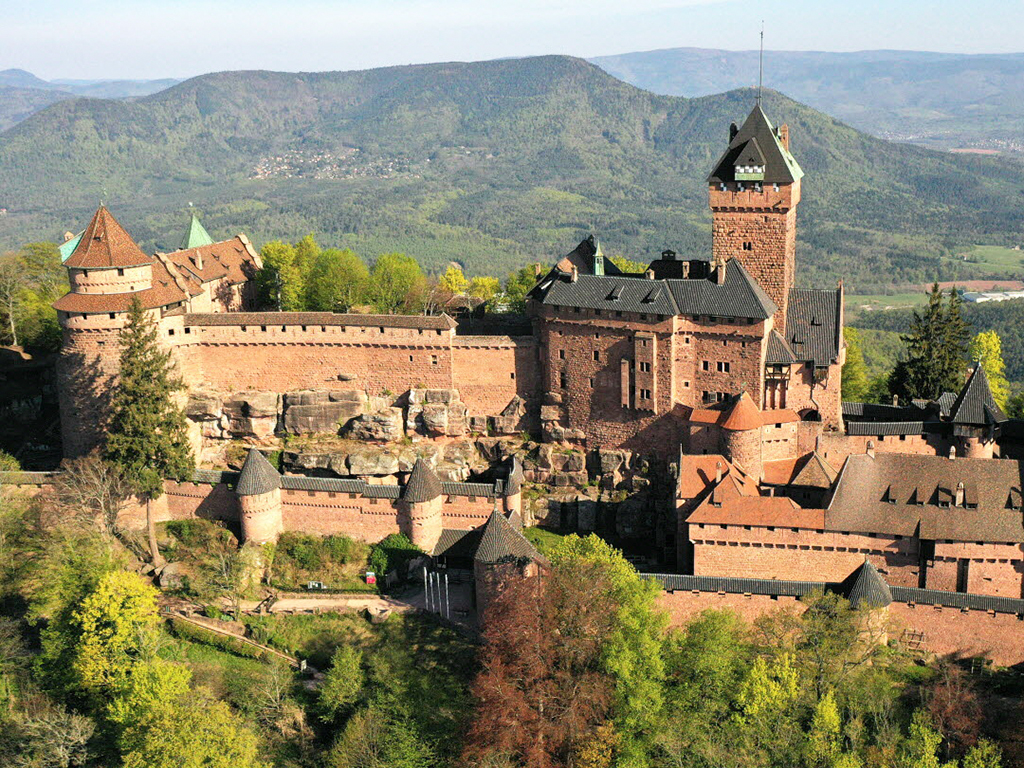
(997, 636)
(489, 371)
(228, 358)
(993, 569)
(836, 446)
(86, 370)
(800, 555)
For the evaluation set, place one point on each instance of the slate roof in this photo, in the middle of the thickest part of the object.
(195, 236)
(515, 478)
(738, 296)
(500, 541)
(813, 325)
(422, 484)
(257, 476)
(885, 428)
(457, 542)
(907, 495)
(757, 135)
(106, 245)
(975, 404)
(469, 489)
(867, 588)
(323, 484)
(777, 351)
(434, 322)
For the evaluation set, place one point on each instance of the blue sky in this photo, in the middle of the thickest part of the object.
(180, 38)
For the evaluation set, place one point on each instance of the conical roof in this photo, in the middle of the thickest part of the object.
(514, 484)
(975, 404)
(257, 476)
(742, 415)
(500, 541)
(757, 138)
(869, 589)
(422, 485)
(106, 244)
(196, 235)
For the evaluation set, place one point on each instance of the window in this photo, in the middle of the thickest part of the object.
(748, 246)
(686, 385)
(563, 380)
(433, 359)
(645, 367)
(512, 375)
(263, 328)
(686, 339)
(120, 273)
(645, 394)
(723, 367)
(410, 358)
(188, 330)
(170, 331)
(591, 382)
(561, 354)
(597, 355)
(705, 365)
(112, 315)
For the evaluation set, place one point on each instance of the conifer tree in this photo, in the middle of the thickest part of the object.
(147, 436)
(936, 350)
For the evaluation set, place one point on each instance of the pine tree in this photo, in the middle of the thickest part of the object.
(147, 436)
(936, 350)
(955, 341)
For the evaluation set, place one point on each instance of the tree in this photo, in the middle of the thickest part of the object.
(148, 686)
(147, 437)
(396, 284)
(52, 738)
(920, 748)
(90, 491)
(454, 281)
(381, 736)
(280, 284)
(108, 628)
(11, 289)
(987, 349)
(337, 281)
(936, 350)
(955, 708)
(518, 284)
(824, 735)
(855, 374)
(485, 288)
(628, 265)
(343, 682)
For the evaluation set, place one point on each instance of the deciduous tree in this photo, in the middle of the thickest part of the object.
(987, 349)
(396, 284)
(337, 281)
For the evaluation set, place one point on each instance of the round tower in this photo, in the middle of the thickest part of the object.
(259, 500)
(105, 268)
(741, 436)
(513, 500)
(420, 507)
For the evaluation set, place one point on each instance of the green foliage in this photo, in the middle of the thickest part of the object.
(936, 350)
(987, 348)
(337, 561)
(392, 553)
(397, 284)
(337, 281)
(382, 736)
(189, 631)
(629, 265)
(147, 437)
(8, 463)
(281, 283)
(633, 655)
(343, 682)
(517, 285)
(31, 279)
(485, 288)
(148, 686)
(855, 376)
(453, 280)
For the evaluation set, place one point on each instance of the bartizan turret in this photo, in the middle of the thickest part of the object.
(259, 500)
(420, 507)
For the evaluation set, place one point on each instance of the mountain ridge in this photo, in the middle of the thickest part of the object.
(493, 163)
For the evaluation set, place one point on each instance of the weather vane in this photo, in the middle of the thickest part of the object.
(760, 65)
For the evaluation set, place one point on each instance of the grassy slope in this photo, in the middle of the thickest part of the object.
(498, 162)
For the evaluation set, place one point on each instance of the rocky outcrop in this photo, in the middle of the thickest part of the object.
(385, 425)
(310, 412)
(436, 413)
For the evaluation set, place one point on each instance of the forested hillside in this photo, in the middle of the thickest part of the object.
(491, 164)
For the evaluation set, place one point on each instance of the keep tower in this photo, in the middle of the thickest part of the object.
(754, 191)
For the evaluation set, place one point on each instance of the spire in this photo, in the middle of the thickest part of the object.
(975, 404)
(258, 476)
(869, 589)
(500, 541)
(106, 244)
(756, 138)
(514, 484)
(760, 66)
(422, 485)
(196, 235)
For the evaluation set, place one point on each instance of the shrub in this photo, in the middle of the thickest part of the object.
(392, 553)
(188, 631)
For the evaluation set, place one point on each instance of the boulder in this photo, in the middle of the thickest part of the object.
(314, 411)
(550, 412)
(172, 576)
(261, 405)
(372, 462)
(510, 420)
(301, 460)
(611, 460)
(434, 418)
(203, 406)
(380, 426)
(251, 414)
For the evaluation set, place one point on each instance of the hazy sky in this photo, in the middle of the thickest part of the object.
(180, 38)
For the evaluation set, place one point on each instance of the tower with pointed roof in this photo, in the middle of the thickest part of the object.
(754, 190)
(420, 507)
(259, 500)
(976, 416)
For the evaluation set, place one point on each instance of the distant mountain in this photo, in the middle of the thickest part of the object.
(490, 163)
(23, 94)
(938, 99)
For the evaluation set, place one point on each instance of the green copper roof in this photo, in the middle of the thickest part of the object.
(66, 249)
(196, 236)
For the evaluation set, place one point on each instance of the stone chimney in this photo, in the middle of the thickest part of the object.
(733, 130)
(649, 274)
(784, 136)
(959, 500)
(575, 274)
(952, 452)
(719, 271)
(870, 449)
(895, 400)
(718, 472)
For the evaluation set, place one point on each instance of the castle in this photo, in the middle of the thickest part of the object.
(722, 367)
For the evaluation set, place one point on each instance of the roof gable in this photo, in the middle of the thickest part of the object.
(500, 541)
(423, 484)
(975, 404)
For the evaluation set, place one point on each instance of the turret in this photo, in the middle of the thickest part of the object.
(259, 500)
(514, 490)
(420, 507)
(753, 192)
(741, 436)
(503, 554)
(977, 418)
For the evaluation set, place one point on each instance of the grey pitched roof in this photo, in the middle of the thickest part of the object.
(946, 400)
(515, 478)
(884, 428)
(422, 485)
(500, 542)
(778, 351)
(455, 542)
(257, 319)
(780, 166)
(328, 484)
(812, 325)
(975, 404)
(816, 472)
(469, 489)
(738, 296)
(906, 495)
(868, 589)
(257, 476)
(374, 491)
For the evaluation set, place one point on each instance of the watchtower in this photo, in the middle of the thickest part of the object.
(754, 190)
(259, 500)
(420, 507)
